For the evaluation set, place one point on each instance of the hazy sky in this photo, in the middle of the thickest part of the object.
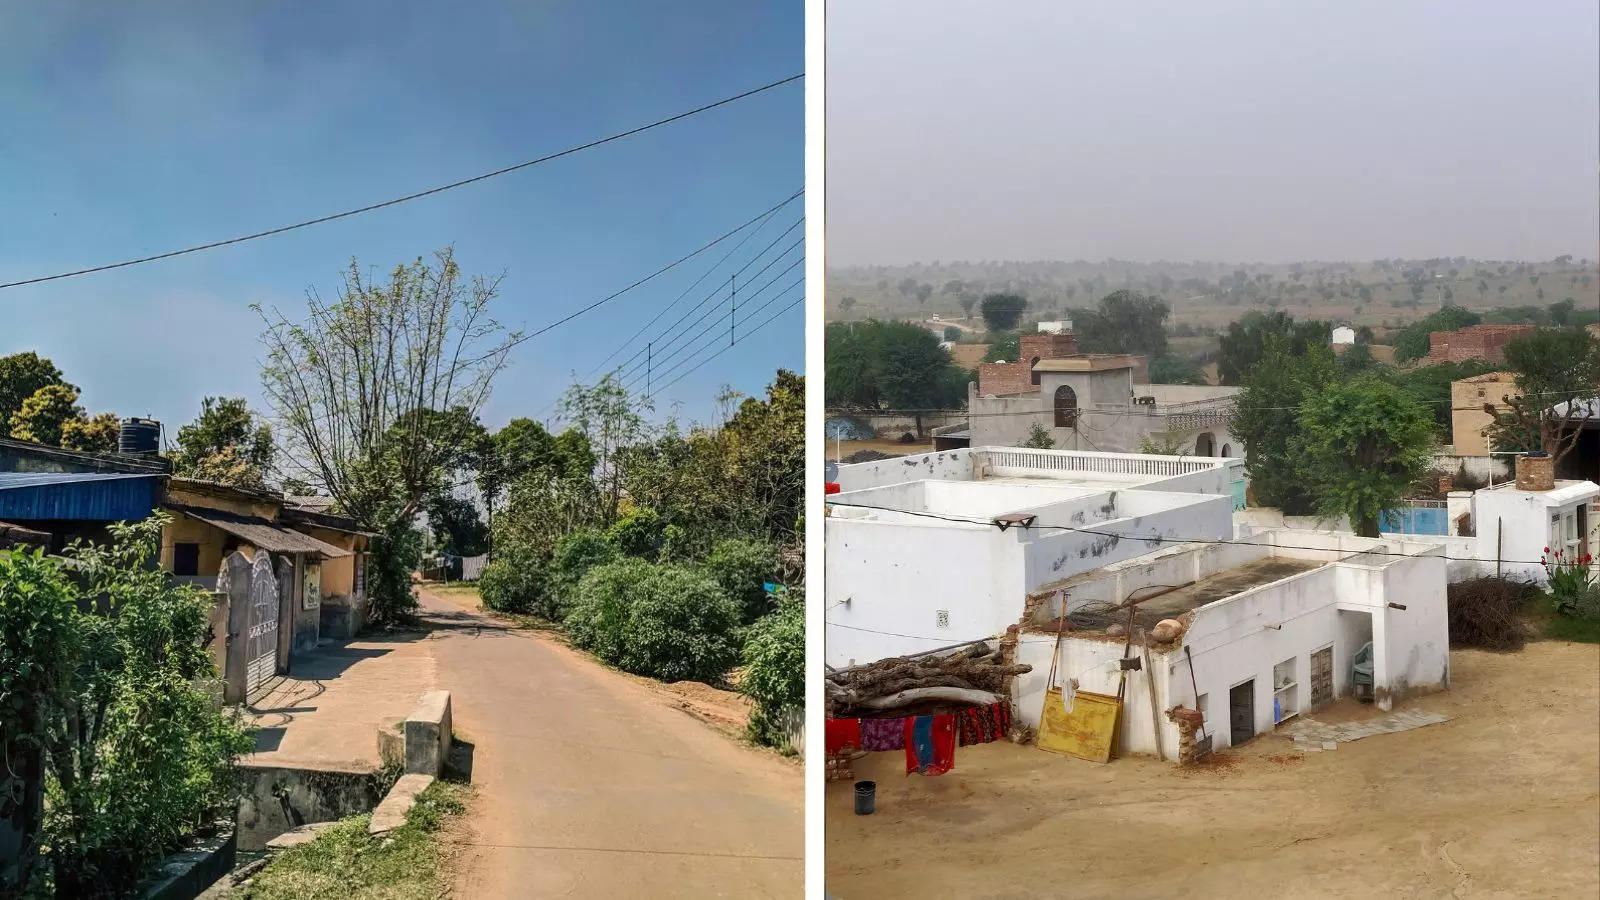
(1215, 130)
(128, 129)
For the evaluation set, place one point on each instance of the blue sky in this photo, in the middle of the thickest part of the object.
(129, 129)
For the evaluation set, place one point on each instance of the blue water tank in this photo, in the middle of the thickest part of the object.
(139, 436)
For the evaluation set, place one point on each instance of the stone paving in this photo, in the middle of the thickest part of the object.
(1311, 736)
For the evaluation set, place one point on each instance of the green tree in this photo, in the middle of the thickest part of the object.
(1558, 377)
(873, 363)
(44, 413)
(226, 442)
(1174, 370)
(378, 395)
(1002, 312)
(1004, 346)
(1267, 422)
(1365, 444)
(92, 435)
(1123, 322)
(967, 301)
(22, 375)
(457, 527)
(611, 419)
(1244, 344)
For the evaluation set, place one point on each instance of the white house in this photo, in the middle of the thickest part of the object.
(1271, 628)
(1511, 527)
(1343, 334)
(941, 548)
(1057, 326)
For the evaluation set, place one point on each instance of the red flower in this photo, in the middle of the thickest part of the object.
(1547, 549)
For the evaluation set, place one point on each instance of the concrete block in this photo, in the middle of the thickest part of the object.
(305, 834)
(428, 734)
(1330, 745)
(392, 742)
(391, 813)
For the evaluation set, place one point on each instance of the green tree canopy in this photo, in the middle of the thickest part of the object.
(1123, 322)
(1002, 312)
(898, 365)
(1175, 370)
(22, 374)
(226, 442)
(1245, 342)
(1363, 444)
(45, 412)
(1266, 420)
(1558, 377)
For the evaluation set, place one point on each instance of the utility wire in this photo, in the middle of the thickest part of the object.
(682, 348)
(663, 311)
(408, 197)
(768, 320)
(688, 349)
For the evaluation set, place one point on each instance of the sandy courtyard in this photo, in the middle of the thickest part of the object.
(1503, 800)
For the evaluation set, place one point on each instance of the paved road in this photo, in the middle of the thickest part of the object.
(589, 785)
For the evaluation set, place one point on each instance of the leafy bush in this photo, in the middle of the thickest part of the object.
(135, 756)
(1570, 578)
(575, 555)
(517, 580)
(775, 668)
(639, 532)
(743, 568)
(1039, 438)
(663, 621)
(396, 553)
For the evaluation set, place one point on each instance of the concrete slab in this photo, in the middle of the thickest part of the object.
(326, 712)
(305, 834)
(427, 730)
(1329, 736)
(391, 813)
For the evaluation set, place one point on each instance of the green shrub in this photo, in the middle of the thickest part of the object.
(743, 568)
(663, 621)
(136, 758)
(775, 668)
(517, 580)
(575, 555)
(639, 532)
(396, 553)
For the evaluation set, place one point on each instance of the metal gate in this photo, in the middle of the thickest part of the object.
(261, 641)
(1322, 678)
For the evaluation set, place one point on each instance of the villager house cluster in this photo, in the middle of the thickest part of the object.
(284, 572)
(1085, 573)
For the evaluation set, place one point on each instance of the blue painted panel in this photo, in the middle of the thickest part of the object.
(1238, 494)
(1415, 520)
(81, 498)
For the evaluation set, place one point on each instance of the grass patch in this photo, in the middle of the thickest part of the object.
(1567, 628)
(344, 863)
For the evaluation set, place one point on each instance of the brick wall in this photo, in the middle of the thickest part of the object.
(1047, 346)
(1486, 342)
(1005, 378)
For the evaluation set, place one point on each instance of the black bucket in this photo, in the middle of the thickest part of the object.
(866, 797)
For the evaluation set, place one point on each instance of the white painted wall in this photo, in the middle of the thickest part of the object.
(1243, 637)
(1344, 334)
(1522, 522)
(947, 464)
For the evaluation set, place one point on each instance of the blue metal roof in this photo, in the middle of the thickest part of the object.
(81, 496)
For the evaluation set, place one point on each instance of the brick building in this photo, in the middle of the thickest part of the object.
(1485, 342)
(1017, 376)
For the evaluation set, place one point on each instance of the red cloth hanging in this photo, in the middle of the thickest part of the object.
(931, 744)
(842, 733)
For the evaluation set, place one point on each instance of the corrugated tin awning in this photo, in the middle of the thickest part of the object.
(78, 496)
(260, 532)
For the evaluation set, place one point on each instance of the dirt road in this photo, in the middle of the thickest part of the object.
(590, 784)
(1503, 800)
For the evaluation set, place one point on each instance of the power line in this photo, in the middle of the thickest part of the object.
(409, 197)
(717, 291)
(749, 333)
(715, 323)
(663, 311)
(1159, 539)
(669, 266)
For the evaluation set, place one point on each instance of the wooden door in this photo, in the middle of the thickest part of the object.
(1322, 677)
(1242, 712)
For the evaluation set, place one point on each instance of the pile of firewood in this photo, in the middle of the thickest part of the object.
(974, 676)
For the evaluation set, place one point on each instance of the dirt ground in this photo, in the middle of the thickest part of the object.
(1503, 800)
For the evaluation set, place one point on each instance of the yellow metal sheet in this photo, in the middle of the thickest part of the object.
(1087, 732)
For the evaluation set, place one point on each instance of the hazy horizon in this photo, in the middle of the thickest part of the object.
(1229, 133)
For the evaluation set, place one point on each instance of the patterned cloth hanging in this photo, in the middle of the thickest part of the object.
(883, 734)
(930, 744)
(984, 724)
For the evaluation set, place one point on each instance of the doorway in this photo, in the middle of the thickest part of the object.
(1242, 712)
(1322, 678)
